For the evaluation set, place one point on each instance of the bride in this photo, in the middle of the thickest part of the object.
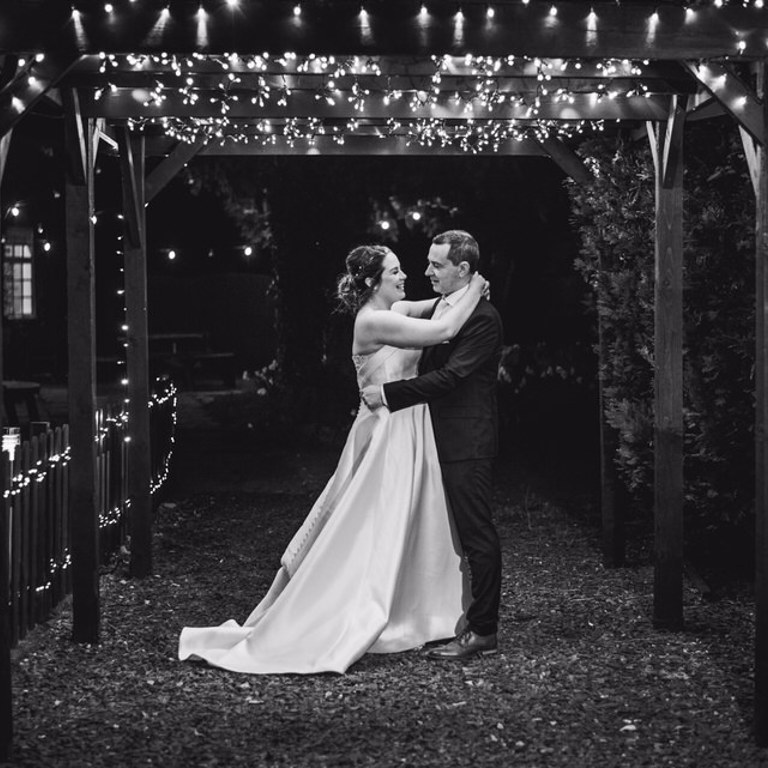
(375, 566)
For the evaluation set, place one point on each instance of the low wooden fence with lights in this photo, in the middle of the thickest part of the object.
(34, 514)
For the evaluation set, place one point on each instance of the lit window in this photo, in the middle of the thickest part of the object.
(18, 274)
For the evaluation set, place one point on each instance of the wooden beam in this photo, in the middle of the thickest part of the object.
(753, 158)
(106, 136)
(135, 249)
(761, 424)
(163, 173)
(74, 136)
(673, 143)
(735, 96)
(133, 192)
(668, 377)
(704, 109)
(53, 95)
(395, 27)
(123, 104)
(30, 84)
(272, 86)
(398, 72)
(369, 145)
(653, 138)
(98, 126)
(352, 146)
(567, 160)
(5, 145)
(81, 320)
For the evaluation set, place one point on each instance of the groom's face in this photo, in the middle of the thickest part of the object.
(445, 276)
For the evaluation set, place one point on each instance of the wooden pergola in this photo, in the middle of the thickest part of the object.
(170, 80)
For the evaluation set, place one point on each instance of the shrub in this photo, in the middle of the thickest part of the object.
(614, 217)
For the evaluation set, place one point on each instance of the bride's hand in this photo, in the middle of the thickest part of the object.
(479, 282)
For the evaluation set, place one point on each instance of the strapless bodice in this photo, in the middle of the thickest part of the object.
(386, 364)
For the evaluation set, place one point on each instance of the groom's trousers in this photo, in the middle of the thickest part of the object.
(468, 488)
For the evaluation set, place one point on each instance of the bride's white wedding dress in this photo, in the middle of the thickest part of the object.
(374, 568)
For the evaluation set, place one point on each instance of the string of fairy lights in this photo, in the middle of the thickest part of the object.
(471, 87)
(358, 82)
(474, 94)
(206, 8)
(109, 427)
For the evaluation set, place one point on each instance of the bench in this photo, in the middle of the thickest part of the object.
(221, 363)
(17, 393)
(186, 356)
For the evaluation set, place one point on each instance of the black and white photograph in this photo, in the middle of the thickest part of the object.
(384, 383)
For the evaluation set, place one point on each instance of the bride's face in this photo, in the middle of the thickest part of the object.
(392, 285)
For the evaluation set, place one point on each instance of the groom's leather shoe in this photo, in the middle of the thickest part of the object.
(467, 645)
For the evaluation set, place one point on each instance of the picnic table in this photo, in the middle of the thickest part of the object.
(24, 393)
(186, 354)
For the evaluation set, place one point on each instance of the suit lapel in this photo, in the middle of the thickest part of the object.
(425, 363)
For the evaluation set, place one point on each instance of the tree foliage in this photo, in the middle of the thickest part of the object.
(614, 217)
(307, 212)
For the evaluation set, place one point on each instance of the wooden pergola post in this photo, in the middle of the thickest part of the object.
(389, 50)
(81, 328)
(132, 160)
(667, 150)
(6, 683)
(138, 191)
(760, 177)
(5, 144)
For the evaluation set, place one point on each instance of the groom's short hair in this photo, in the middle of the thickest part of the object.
(463, 247)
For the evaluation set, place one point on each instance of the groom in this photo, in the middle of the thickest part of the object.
(458, 380)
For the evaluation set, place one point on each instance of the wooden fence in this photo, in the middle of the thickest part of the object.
(34, 519)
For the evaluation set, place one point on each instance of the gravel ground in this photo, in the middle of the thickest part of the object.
(581, 679)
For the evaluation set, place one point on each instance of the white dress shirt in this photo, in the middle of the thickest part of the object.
(446, 302)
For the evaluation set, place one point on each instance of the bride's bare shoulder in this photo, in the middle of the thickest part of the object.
(372, 318)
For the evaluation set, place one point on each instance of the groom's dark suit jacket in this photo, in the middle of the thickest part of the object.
(458, 380)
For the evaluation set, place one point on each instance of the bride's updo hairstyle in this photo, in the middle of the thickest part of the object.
(365, 265)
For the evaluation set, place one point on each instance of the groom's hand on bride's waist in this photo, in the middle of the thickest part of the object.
(372, 396)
